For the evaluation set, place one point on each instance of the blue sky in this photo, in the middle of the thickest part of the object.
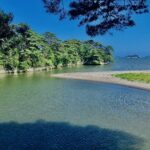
(134, 40)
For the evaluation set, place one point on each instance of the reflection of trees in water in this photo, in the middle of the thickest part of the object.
(43, 135)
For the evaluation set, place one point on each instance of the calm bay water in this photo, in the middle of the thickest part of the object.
(34, 105)
(117, 65)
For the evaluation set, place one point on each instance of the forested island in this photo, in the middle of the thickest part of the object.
(21, 49)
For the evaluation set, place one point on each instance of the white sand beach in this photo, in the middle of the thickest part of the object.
(106, 77)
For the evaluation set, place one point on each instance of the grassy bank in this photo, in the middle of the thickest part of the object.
(144, 77)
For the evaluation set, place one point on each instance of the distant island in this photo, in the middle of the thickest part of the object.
(133, 56)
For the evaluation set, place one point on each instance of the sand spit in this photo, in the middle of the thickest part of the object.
(106, 77)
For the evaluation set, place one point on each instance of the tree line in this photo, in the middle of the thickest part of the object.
(21, 48)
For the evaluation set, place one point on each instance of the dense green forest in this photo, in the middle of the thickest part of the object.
(21, 48)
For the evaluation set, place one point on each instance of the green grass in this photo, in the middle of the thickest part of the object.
(144, 77)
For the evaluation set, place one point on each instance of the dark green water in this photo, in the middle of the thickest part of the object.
(38, 112)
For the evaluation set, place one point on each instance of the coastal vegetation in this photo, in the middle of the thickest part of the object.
(21, 48)
(144, 77)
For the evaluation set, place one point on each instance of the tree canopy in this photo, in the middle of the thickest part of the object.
(5, 28)
(99, 16)
(21, 48)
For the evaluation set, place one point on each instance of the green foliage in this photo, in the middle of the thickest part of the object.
(5, 27)
(144, 77)
(1, 59)
(24, 49)
(94, 53)
(10, 61)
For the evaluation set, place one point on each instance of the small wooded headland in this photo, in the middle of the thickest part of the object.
(22, 49)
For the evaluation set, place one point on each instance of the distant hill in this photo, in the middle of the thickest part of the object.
(133, 56)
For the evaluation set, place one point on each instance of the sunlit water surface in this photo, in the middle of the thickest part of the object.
(31, 97)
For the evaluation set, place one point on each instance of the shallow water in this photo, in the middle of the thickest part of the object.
(122, 112)
(118, 65)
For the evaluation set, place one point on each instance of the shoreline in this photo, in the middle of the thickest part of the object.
(2, 71)
(106, 77)
(47, 68)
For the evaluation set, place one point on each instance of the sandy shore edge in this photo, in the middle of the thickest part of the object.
(106, 77)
